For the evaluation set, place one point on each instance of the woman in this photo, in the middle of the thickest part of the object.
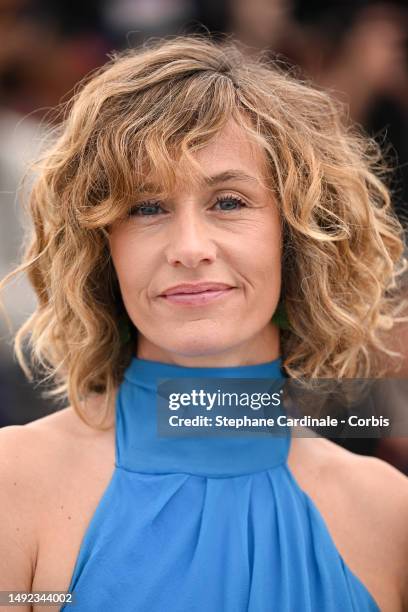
(184, 180)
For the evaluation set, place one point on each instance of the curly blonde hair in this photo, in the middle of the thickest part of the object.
(122, 136)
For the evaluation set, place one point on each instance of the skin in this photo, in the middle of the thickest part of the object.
(193, 238)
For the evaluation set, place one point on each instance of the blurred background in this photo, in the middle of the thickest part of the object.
(357, 49)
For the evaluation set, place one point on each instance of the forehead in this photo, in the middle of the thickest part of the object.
(230, 152)
(231, 148)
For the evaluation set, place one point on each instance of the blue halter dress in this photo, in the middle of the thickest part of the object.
(200, 524)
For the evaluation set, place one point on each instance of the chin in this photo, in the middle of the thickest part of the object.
(199, 344)
(199, 348)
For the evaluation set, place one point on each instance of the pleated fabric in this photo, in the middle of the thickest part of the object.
(206, 524)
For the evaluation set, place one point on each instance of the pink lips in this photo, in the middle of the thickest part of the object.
(189, 294)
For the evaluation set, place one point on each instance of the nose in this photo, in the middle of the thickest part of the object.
(190, 243)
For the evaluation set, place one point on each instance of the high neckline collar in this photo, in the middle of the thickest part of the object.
(149, 371)
(141, 449)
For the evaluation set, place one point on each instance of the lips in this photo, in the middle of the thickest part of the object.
(191, 288)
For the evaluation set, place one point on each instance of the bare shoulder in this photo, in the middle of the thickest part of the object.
(66, 422)
(41, 447)
(67, 442)
(382, 494)
(371, 476)
(52, 437)
(377, 485)
(370, 492)
(39, 463)
(23, 487)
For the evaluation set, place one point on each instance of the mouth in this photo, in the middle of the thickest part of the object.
(197, 298)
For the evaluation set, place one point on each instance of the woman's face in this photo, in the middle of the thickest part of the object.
(224, 231)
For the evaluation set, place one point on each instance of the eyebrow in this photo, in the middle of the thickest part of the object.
(222, 177)
(229, 175)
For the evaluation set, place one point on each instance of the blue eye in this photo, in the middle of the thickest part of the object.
(150, 209)
(228, 200)
(145, 209)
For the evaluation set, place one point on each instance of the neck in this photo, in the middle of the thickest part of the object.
(262, 348)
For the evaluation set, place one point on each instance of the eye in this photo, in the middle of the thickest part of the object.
(151, 209)
(145, 209)
(230, 202)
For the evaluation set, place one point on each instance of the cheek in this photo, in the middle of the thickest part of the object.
(260, 251)
(126, 252)
(266, 271)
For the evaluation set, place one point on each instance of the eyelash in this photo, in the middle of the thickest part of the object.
(137, 207)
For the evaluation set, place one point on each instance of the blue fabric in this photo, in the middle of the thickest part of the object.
(206, 524)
